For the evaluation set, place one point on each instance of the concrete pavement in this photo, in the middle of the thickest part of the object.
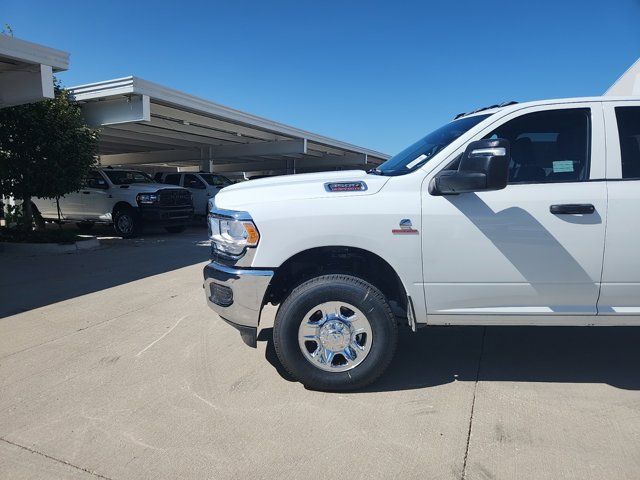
(112, 366)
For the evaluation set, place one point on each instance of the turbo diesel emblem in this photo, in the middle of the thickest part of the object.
(345, 186)
(406, 228)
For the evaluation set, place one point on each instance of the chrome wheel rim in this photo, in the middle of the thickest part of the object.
(335, 336)
(125, 223)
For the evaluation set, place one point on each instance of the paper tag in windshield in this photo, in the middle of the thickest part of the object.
(561, 166)
(416, 161)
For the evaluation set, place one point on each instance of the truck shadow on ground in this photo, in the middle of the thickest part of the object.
(31, 282)
(440, 355)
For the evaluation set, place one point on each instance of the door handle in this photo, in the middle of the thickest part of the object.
(572, 209)
(86, 193)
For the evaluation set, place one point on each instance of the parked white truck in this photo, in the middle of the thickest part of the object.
(128, 199)
(519, 214)
(202, 186)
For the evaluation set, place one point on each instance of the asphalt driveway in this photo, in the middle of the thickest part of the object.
(112, 366)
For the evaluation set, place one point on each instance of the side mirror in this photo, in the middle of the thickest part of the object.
(484, 166)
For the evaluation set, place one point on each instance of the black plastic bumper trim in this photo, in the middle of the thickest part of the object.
(249, 335)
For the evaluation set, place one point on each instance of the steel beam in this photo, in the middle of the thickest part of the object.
(120, 135)
(330, 161)
(32, 84)
(135, 108)
(125, 143)
(211, 136)
(249, 166)
(159, 156)
(338, 160)
(214, 123)
(257, 149)
(164, 132)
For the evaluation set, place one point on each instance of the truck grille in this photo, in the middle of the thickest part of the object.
(173, 197)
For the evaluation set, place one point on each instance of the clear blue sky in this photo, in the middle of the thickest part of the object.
(377, 74)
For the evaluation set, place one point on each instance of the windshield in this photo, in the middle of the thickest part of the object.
(423, 150)
(215, 180)
(127, 177)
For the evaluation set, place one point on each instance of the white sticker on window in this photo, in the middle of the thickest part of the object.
(416, 161)
(563, 166)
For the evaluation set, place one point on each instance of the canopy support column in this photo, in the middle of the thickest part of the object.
(206, 159)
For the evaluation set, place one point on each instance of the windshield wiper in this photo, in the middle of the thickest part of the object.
(375, 171)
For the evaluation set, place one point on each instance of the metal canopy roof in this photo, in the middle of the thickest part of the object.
(144, 123)
(26, 70)
(628, 84)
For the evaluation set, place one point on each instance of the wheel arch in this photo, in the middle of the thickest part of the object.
(338, 259)
(121, 205)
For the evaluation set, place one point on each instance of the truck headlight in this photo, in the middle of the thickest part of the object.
(232, 236)
(146, 198)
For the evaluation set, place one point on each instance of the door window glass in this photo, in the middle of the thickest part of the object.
(629, 132)
(172, 179)
(127, 177)
(95, 180)
(548, 146)
(191, 181)
(215, 180)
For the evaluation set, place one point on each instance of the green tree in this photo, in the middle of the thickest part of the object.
(46, 150)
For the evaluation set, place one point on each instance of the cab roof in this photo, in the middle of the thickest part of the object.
(512, 106)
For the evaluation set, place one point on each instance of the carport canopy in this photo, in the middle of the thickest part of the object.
(628, 84)
(146, 124)
(26, 70)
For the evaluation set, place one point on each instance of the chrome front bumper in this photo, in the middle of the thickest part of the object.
(237, 295)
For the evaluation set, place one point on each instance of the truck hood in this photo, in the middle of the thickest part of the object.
(295, 187)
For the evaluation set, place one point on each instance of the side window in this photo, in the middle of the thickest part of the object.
(95, 180)
(172, 179)
(548, 146)
(191, 181)
(629, 132)
(219, 181)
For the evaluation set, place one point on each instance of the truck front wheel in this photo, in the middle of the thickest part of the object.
(126, 222)
(335, 333)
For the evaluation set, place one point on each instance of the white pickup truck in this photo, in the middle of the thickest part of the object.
(128, 199)
(202, 186)
(518, 214)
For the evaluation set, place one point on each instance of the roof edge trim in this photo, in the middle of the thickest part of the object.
(29, 52)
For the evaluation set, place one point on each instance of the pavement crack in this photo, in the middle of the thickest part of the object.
(161, 337)
(473, 404)
(58, 460)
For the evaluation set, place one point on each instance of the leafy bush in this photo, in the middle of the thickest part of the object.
(46, 150)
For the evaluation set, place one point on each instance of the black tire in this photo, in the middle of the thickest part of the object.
(175, 229)
(340, 288)
(85, 226)
(126, 223)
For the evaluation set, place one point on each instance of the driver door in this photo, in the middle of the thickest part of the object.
(198, 191)
(504, 252)
(96, 204)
